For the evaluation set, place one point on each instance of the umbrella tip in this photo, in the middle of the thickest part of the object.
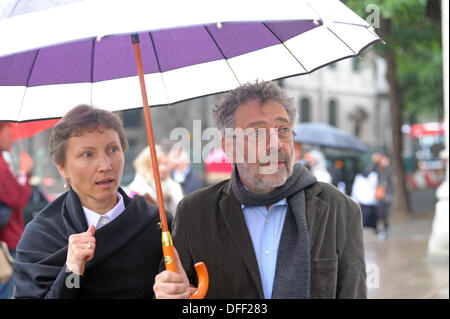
(219, 25)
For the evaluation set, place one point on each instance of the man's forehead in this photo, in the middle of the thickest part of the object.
(256, 113)
(279, 119)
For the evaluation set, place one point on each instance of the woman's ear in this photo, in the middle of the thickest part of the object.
(62, 171)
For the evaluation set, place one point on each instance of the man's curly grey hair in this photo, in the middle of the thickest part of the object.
(261, 91)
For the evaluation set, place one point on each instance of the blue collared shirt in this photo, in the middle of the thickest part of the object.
(265, 227)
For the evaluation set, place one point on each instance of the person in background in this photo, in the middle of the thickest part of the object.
(15, 192)
(217, 167)
(383, 194)
(144, 181)
(182, 172)
(318, 165)
(363, 192)
(93, 241)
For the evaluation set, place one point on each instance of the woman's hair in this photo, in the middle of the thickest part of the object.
(143, 163)
(261, 91)
(78, 120)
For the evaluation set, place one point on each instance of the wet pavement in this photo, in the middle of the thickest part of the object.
(400, 267)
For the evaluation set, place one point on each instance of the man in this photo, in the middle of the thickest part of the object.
(272, 230)
(15, 193)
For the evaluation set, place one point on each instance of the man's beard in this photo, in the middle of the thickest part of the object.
(262, 179)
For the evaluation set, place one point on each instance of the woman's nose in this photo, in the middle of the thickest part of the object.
(105, 163)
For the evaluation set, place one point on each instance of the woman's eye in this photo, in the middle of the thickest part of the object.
(86, 154)
(113, 149)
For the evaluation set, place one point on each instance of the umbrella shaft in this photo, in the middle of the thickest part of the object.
(149, 129)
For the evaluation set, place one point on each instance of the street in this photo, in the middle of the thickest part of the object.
(405, 270)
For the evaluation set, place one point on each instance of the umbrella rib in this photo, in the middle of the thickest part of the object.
(342, 41)
(159, 67)
(278, 38)
(222, 53)
(27, 83)
(92, 66)
(13, 9)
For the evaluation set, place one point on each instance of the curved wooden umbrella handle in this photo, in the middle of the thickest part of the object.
(200, 268)
(203, 281)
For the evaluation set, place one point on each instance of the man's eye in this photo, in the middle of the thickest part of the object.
(284, 130)
(113, 149)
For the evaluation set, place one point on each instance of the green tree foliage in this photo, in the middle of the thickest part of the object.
(412, 51)
(414, 37)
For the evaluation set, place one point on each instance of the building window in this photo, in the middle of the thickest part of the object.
(305, 110)
(358, 116)
(332, 113)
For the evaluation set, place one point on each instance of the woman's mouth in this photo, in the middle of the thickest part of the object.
(105, 182)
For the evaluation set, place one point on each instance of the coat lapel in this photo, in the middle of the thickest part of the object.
(316, 215)
(237, 227)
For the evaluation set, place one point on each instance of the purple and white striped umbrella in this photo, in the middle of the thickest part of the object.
(52, 59)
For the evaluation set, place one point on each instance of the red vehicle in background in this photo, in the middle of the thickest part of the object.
(425, 142)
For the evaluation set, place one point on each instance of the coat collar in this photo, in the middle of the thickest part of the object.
(316, 217)
(235, 222)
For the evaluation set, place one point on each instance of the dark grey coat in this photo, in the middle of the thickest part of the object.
(209, 226)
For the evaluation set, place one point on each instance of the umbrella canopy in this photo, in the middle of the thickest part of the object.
(28, 129)
(83, 54)
(326, 135)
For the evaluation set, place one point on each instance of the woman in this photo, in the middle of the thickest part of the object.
(144, 182)
(93, 241)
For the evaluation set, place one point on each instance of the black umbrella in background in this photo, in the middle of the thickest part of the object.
(325, 135)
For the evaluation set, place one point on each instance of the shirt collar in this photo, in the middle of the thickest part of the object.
(93, 217)
(281, 202)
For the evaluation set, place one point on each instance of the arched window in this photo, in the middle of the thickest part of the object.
(332, 113)
(305, 110)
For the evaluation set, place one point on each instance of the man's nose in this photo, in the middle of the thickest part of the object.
(274, 140)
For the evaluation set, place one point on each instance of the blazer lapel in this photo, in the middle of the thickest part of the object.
(237, 227)
(316, 216)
